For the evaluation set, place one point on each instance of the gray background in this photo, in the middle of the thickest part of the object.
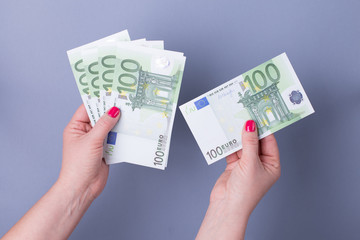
(317, 196)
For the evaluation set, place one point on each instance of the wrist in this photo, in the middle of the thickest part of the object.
(78, 194)
(230, 210)
(224, 220)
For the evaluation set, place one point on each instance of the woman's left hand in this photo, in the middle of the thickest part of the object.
(83, 167)
(82, 178)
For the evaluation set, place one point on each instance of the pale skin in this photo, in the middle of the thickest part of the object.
(248, 176)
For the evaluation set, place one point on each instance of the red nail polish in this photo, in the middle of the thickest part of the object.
(114, 112)
(250, 126)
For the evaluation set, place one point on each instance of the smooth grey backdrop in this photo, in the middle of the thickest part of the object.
(317, 196)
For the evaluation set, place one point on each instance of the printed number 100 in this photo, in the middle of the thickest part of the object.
(259, 79)
(128, 80)
(213, 153)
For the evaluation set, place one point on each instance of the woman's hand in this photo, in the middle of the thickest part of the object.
(82, 178)
(249, 174)
(83, 167)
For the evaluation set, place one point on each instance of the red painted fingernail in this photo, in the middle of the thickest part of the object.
(114, 112)
(250, 126)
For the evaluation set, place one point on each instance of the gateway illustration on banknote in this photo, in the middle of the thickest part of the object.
(266, 107)
(154, 91)
(270, 94)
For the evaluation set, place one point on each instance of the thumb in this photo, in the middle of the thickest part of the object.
(250, 140)
(105, 124)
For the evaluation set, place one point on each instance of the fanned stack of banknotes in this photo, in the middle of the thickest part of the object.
(143, 80)
(140, 78)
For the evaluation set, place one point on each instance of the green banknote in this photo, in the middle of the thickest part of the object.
(270, 94)
(146, 85)
(91, 65)
(107, 61)
(79, 70)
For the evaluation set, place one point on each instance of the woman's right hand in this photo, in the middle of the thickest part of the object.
(249, 174)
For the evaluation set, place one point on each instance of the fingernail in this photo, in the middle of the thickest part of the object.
(114, 112)
(250, 126)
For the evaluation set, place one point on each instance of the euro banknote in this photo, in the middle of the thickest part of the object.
(143, 80)
(270, 94)
(146, 89)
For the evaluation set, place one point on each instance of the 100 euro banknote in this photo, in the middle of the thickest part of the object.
(270, 94)
(146, 88)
